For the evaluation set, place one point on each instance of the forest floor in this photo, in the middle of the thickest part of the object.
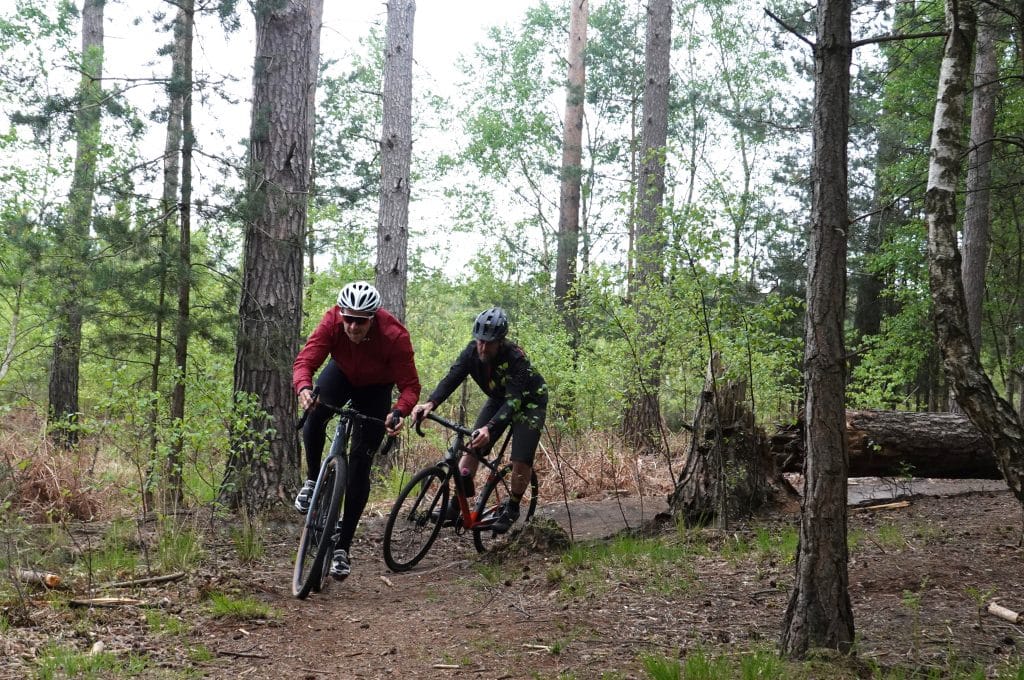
(613, 607)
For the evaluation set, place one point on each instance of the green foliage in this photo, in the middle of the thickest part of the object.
(225, 606)
(592, 568)
(179, 548)
(659, 667)
(56, 661)
(162, 623)
(248, 539)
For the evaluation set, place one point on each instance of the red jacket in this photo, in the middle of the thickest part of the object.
(386, 356)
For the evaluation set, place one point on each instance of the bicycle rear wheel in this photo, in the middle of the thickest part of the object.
(415, 519)
(496, 490)
(316, 542)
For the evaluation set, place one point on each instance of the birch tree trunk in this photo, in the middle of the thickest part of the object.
(264, 462)
(395, 158)
(73, 234)
(971, 386)
(819, 613)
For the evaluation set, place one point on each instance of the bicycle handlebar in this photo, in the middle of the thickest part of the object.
(340, 410)
(447, 423)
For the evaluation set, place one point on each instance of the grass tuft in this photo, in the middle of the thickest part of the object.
(224, 606)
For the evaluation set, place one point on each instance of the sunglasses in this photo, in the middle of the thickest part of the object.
(357, 320)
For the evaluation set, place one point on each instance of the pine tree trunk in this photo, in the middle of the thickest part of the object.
(395, 158)
(979, 170)
(819, 613)
(572, 159)
(74, 239)
(641, 424)
(169, 219)
(173, 492)
(264, 461)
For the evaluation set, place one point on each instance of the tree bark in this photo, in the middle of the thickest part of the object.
(264, 461)
(898, 443)
(73, 236)
(971, 385)
(173, 492)
(819, 613)
(395, 158)
(572, 168)
(642, 420)
(979, 171)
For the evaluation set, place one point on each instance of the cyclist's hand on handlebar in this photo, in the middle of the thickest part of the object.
(307, 397)
(393, 423)
(480, 438)
(420, 411)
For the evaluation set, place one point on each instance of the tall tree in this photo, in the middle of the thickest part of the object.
(977, 213)
(73, 234)
(182, 77)
(572, 162)
(642, 422)
(168, 214)
(819, 613)
(395, 158)
(971, 386)
(264, 460)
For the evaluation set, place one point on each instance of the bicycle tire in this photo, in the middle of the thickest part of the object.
(415, 519)
(496, 490)
(316, 543)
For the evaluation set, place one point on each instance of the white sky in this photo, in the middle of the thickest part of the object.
(443, 30)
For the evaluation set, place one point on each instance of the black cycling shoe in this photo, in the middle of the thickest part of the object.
(508, 516)
(451, 513)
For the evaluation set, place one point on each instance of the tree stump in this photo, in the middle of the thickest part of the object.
(729, 472)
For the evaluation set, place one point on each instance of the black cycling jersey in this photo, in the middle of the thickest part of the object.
(509, 377)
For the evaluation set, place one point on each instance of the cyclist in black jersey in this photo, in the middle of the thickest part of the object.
(516, 397)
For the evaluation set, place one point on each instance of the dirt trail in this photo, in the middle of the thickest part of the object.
(458, 617)
(917, 573)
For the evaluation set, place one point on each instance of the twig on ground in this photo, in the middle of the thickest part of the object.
(146, 581)
(241, 655)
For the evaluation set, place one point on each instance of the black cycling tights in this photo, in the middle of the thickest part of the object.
(370, 400)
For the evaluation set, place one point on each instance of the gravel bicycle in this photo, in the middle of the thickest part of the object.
(320, 530)
(417, 516)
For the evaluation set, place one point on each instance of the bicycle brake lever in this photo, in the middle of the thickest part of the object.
(305, 414)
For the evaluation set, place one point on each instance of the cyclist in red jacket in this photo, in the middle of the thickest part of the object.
(369, 354)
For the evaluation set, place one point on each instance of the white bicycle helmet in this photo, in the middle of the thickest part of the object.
(359, 296)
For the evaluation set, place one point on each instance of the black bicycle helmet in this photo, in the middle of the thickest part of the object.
(490, 324)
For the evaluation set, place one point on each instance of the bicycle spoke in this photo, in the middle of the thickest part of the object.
(414, 520)
(493, 496)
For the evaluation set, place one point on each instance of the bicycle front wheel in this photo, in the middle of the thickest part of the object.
(415, 519)
(496, 491)
(316, 542)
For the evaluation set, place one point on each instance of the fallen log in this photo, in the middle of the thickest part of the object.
(43, 578)
(900, 444)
